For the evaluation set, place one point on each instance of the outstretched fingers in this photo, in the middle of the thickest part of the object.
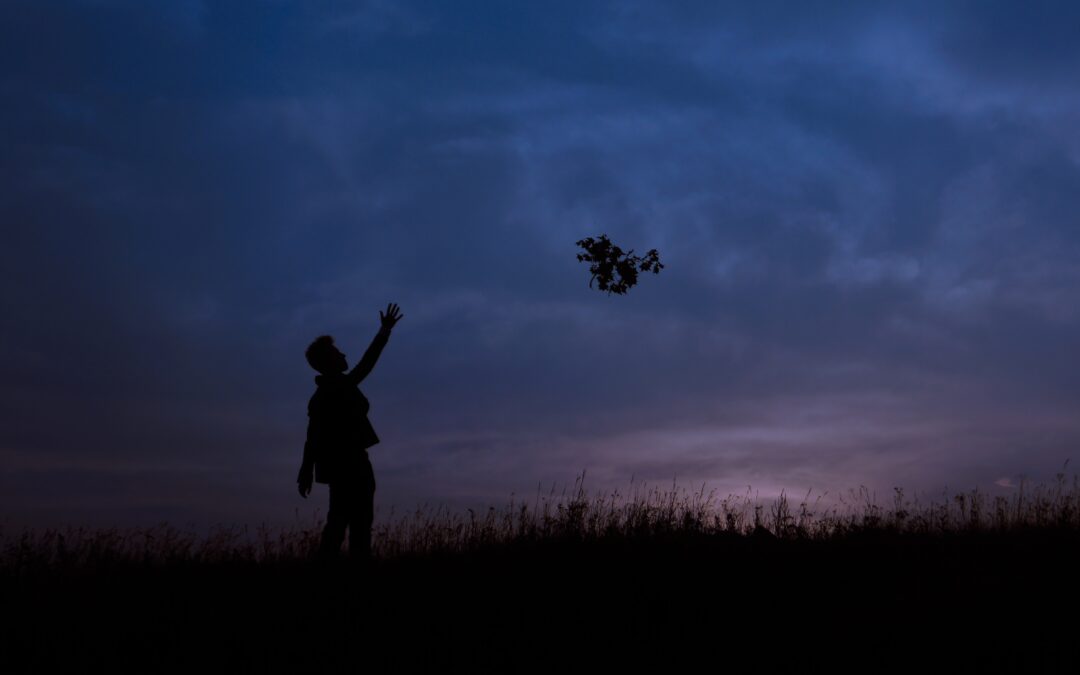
(391, 316)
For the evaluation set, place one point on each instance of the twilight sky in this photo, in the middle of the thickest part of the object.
(868, 217)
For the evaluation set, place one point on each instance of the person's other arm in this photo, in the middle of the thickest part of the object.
(306, 477)
(367, 362)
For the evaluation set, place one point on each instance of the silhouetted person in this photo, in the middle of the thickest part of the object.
(338, 437)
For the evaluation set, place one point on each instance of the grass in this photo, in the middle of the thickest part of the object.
(568, 581)
(647, 513)
(673, 512)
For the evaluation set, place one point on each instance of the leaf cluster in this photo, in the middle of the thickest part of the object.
(615, 271)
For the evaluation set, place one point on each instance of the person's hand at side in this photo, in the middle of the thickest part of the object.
(304, 481)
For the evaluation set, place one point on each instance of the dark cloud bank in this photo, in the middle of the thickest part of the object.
(868, 218)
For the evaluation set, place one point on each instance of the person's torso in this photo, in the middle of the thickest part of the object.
(340, 410)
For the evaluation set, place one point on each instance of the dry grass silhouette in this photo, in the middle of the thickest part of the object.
(568, 581)
(570, 516)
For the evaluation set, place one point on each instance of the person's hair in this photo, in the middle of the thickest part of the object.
(321, 353)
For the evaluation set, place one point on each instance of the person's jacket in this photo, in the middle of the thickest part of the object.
(339, 431)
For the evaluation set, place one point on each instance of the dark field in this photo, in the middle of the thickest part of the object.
(660, 581)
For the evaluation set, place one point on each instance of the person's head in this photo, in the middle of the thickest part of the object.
(325, 357)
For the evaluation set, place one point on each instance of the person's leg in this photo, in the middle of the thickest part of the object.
(362, 516)
(337, 519)
(360, 525)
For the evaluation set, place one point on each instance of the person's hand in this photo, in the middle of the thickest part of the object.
(303, 483)
(391, 317)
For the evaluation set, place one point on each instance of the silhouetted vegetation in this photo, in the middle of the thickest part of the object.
(612, 269)
(644, 577)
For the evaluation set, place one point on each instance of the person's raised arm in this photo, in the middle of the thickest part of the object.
(367, 362)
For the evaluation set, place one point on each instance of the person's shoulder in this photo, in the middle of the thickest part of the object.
(321, 393)
(330, 387)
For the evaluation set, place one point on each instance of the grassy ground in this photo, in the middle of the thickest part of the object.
(653, 580)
